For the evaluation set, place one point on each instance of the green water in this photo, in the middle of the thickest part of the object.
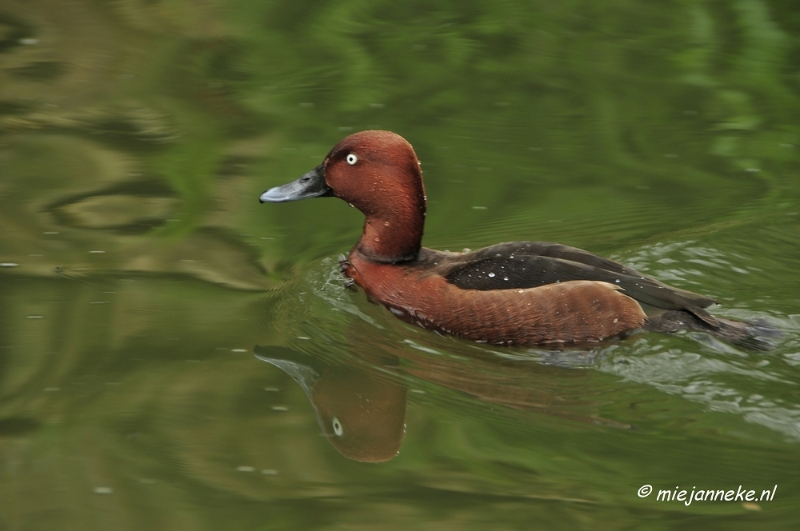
(143, 287)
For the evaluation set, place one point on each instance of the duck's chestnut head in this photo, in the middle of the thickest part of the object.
(378, 173)
(374, 171)
(360, 170)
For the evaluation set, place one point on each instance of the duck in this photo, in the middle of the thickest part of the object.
(528, 293)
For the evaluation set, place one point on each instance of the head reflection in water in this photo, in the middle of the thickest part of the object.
(360, 412)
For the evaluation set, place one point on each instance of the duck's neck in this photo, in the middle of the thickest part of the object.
(394, 233)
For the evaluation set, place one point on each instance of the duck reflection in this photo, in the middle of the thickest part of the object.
(361, 411)
(360, 401)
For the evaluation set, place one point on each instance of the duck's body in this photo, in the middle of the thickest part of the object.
(520, 293)
(453, 294)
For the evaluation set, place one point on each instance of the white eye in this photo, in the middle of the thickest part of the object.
(351, 159)
(338, 429)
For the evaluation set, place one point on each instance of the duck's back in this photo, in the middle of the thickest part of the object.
(531, 264)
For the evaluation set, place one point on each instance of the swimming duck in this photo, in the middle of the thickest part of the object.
(518, 293)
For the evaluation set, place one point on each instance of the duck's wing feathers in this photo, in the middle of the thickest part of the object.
(522, 265)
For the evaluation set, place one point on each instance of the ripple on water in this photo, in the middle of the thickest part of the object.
(740, 385)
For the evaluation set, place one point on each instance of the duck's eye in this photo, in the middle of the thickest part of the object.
(338, 429)
(351, 159)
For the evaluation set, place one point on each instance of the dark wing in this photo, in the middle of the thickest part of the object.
(523, 265)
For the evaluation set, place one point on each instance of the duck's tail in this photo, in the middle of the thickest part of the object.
(752, 335)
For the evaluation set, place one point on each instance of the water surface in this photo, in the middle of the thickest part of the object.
(174, 355)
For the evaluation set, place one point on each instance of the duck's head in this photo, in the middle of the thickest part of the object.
(378, 173)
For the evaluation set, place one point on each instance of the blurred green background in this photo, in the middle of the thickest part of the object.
(138, 273)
